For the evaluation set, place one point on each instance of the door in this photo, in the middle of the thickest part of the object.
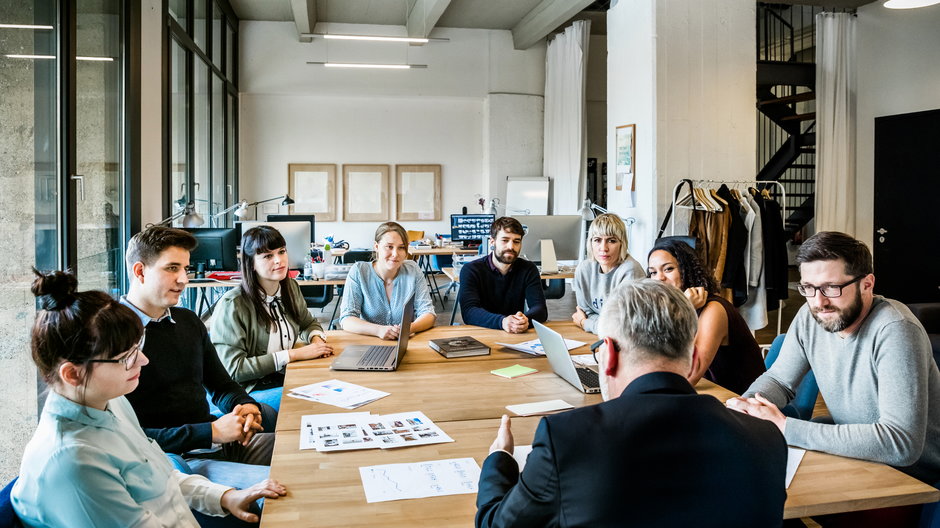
(907, 227)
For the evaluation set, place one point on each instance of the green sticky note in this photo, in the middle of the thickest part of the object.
(514, 371)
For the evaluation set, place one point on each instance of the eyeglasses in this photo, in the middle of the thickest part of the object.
(594, 347)
(829, 290)
(130, 359)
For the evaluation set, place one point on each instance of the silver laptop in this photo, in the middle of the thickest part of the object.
(582, 378)
(378, 357)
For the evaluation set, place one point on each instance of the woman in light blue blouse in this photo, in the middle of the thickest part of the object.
(89, 462)
(375, 292)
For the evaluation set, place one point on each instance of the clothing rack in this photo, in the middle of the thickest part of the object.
(751, 183)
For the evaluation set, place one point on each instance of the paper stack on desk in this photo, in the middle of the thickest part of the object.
(349, 431)
(338, 393)
(534, 346)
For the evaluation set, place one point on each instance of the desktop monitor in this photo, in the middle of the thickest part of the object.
(216, 248)
(470, 227)
(297, 218)
(296, 234)
(563, 230)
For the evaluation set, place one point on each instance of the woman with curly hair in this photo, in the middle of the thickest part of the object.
(725, 350)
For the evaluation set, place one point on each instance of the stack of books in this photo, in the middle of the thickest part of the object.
(455, 347)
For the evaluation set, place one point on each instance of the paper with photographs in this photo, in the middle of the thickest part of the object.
(349, 431)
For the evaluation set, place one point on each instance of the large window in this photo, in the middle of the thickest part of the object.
(201, 97)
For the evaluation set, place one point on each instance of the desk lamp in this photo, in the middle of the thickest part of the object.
(241, 208)
(189, 215)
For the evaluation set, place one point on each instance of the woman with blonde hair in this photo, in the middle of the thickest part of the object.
(609, 265)
(376, 292)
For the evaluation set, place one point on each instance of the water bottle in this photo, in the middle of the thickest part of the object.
(308, 268)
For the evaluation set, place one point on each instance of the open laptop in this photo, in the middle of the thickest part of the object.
(582, 378)
(378, 357)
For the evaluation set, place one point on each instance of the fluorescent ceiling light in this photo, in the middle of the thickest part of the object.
(368, 65)
(24, 26)
(51, 57)
(96, 59)
(909, 4)
(375, 38)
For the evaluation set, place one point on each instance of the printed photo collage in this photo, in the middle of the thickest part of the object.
(350, 431)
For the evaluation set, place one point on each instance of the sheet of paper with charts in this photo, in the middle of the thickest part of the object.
(417, 480)
(535, 348)
(348, 431)
(337, 393)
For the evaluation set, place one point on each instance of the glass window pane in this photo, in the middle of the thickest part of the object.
(99, 141)
(230, 53)
(231, 180)
(179, 136)
(218, 146)
(199, 24)
(217, 35)
(201, 136)
(177, 10)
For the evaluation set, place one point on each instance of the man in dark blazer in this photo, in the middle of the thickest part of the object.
(655, 453)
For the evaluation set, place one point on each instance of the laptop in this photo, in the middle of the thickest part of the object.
(582, 378)
(378, 357)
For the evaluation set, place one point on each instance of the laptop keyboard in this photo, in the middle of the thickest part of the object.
(588, 378)
(377, 355)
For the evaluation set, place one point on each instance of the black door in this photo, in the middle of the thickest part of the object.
(907, 207)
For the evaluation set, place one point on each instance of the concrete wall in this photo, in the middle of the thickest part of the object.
(476, 110)
(898, 73)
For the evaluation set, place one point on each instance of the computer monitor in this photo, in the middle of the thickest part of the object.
(470, 227)
(563, 230)
(296, 234)
(216, 248)
(297, 218)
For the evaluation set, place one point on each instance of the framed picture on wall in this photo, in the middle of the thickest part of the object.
(418, 192)
(366, 193)
(313, 187)
(625, 161)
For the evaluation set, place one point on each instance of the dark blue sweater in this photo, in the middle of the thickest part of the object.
(487, 296)
(170, 400)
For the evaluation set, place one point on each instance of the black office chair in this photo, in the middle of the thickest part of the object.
(554, 288)
(929, 315)
(357, 255)
(317, 296)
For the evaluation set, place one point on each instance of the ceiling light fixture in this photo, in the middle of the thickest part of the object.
(375, 38)
(24, 26)
(368, 65)
(909, 4)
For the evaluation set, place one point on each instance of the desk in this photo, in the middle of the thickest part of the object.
(324, 489)
(452, 274)
(424, 262)
(202, 287)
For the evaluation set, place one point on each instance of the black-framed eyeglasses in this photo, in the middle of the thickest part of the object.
(828, 290)
(594, 347)
(130, 359)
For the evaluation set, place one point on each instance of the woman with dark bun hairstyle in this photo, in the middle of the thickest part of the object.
(89, 462)
(725, 350)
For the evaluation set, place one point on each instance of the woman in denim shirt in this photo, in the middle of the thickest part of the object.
(375, 292)
(89, 462)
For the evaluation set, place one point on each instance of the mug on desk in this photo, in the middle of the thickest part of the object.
(319, 270)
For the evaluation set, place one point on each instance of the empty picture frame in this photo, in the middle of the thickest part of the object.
(313, 187)
(366, 193)
(418, 192)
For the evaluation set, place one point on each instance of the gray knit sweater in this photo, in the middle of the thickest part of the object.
(591, 286)
(880, 384)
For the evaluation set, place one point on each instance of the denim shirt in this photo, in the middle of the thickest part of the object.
(86, 467)
(364, 294)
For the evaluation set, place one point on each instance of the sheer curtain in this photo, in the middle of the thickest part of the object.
(565, 135)
(836, 87)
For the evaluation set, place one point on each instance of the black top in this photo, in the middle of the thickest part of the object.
(170, 400)
(487, 296)
(659, 455)
(740, 362)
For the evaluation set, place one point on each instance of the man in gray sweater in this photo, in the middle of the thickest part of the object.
(872, 360)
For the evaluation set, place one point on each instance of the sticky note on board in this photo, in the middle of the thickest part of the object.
(514, 371)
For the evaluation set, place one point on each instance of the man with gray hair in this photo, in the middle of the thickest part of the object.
(654, 453)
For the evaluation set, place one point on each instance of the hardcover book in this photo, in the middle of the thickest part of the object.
(455, 347)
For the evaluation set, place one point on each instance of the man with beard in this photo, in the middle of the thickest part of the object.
(872, 360)
(496, 289)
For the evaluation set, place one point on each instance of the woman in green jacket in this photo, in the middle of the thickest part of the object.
(264, 324)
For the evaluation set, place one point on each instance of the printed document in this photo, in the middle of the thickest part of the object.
(433, 478)
(338, 393)
(534, 346)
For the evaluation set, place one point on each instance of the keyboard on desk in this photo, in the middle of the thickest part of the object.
(588, 377)
(377, 355)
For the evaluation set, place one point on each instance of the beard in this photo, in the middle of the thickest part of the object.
(506, 257)
(847, 315)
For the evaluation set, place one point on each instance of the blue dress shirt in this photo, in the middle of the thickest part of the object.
(364, 294)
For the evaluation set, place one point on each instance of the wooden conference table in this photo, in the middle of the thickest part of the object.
(466, 401)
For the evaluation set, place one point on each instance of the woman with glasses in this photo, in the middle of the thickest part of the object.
(609, 265)
(89, 462)
(725, 350)
(264, 324)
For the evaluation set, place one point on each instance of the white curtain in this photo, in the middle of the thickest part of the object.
(565, 136)
(836, 87)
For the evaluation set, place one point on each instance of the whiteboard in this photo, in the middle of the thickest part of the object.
(527, 196)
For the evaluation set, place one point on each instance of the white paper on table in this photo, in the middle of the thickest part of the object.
(542, 407)
(534, 346)
(406, 429)
(420, 479)
(521, 454)
(794, 457)
(585, 360)
(311, 425)
(338, 393)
